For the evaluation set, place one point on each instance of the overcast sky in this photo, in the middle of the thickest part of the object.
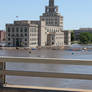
(77, 13)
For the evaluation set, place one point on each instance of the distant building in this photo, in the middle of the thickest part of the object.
(81, 30)
(67, 37)
(2, 35)
(48, 31)
(22, 34)
(54, 25)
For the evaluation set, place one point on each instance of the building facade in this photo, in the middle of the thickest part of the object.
(53, 25)
(2, 35)
(48, 31)
(81, 30)
(22, 34)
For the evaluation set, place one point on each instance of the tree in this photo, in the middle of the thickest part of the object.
(72, 36)
(85, 38)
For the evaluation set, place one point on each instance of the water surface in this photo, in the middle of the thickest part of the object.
(50, 82)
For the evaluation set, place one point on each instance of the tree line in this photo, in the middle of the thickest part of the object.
(84, 38)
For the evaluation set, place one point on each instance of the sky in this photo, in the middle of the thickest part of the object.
(77, 13)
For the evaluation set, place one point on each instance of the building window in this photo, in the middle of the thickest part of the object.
(34, 43)
(21, 35)
(34, 29)
(8, 39)
(8, 34)
(52, 38)
(12, 29)
(13, 35)
(25, 39)
(25, 34)
(8, 29)
(47, 30)
(17, 35)
(21, 30)
(52, 43)
(25, 43)
(9, 44)
(17, 30)
(25, 29)
(55, 23)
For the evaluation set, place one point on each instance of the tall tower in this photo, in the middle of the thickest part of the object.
(51, 5)
(52, 32)
(51, 2)
(51, 16)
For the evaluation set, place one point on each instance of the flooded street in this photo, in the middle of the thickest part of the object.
(49, 82)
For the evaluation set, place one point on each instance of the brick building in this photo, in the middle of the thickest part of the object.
(2, 35)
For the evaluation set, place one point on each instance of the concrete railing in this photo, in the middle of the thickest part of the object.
(4, 72)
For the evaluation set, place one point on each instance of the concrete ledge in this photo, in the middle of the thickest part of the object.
(19, 88)
(7, 89)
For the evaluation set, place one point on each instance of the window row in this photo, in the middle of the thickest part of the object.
(16, 40)
(33, 34)
(9, 29)
(51, 23)
(34, 43)
(50, 18)
(33, 30)
(59, 37)
(18, 35)
(53, 30)
(59, 44)
(33, 39)
(10, 44)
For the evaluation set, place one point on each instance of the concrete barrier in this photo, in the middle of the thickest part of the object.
(27, 90)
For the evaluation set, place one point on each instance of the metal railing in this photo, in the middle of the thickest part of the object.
(4, 72)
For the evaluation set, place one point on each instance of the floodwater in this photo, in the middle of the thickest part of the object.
(50, 82)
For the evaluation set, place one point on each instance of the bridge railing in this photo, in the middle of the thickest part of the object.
(4, 72)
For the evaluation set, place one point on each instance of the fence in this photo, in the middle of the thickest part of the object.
(4, 72)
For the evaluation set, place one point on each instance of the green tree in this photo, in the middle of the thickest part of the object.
(72, 36)
(85, 38)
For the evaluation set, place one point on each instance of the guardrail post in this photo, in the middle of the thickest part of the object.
(2, 75)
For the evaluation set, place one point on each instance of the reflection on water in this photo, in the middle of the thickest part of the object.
(48, 53)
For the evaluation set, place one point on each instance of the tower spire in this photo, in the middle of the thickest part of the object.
(51, 3)
(51, 8)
